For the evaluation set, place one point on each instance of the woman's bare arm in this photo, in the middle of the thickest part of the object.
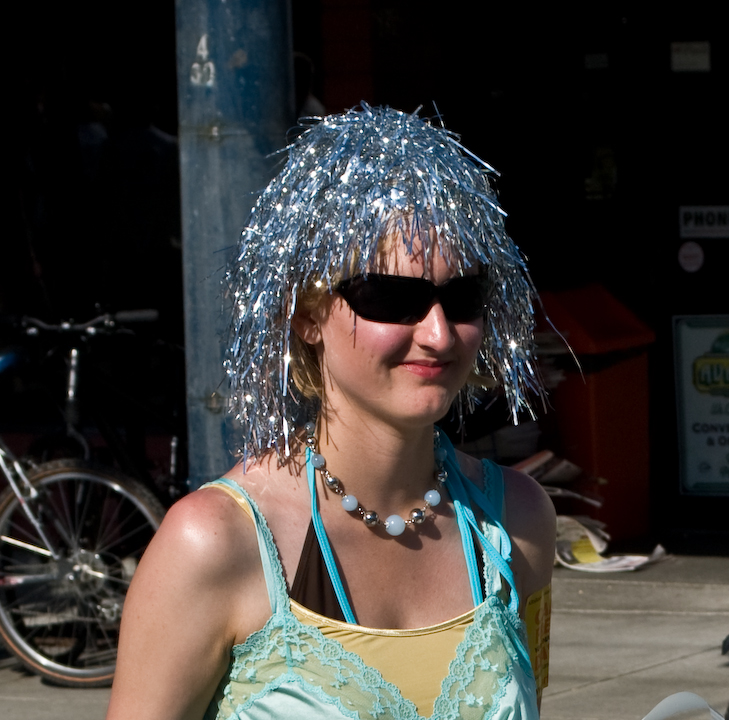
(199, 589)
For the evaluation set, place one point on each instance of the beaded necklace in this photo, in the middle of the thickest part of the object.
(394, 524)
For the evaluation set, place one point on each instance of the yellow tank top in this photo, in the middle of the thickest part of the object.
(394, 652)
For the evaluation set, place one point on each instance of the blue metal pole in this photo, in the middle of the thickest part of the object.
(235, 90)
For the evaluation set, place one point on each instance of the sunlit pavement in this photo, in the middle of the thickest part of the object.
(622, 642)
(26, 697)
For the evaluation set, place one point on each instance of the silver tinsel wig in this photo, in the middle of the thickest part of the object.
(348, 178)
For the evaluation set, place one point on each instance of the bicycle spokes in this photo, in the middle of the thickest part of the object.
(64, 612)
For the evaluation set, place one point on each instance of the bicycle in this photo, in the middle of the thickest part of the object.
(71, 536)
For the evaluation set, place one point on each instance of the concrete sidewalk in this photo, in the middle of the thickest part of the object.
(623, 642)
(25, 697)
(620, 644)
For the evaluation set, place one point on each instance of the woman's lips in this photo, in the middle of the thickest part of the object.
(424, 369)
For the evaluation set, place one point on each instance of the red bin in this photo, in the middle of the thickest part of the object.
(601, 409)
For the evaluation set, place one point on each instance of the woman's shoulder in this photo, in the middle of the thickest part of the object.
(531, 524)
(526, 500)
(209, 535)
(281, 497)
(199, 589)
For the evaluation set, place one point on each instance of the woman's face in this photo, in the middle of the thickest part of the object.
(403, 375)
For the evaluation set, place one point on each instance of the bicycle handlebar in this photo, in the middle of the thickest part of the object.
(101, 323)
(137, 316)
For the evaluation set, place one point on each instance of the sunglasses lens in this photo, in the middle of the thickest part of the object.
(464, 298)
(406, 300)
(382, 298)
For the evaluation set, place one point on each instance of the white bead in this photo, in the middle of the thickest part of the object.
(318, 461)
(432, 497)
(395, 525)
(349, 503)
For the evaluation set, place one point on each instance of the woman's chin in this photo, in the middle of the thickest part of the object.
(430, 412)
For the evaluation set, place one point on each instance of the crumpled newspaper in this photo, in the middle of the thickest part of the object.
(581, 542)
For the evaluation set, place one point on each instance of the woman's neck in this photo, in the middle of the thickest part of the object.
(385, 468)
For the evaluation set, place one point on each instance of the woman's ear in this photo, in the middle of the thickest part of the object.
(306, 326)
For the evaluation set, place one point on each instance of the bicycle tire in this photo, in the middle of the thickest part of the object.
(61, 617)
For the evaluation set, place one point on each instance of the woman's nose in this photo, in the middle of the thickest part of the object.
(434, 330)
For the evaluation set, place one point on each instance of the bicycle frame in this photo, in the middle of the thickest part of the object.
(71, 407)
(16, 476)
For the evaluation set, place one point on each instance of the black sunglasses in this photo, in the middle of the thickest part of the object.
(407, 300)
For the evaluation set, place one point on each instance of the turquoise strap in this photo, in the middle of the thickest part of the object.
(489, 508)
(469, 550)
(325, 547)
(503, 558)
(467, 520)
(461, 488)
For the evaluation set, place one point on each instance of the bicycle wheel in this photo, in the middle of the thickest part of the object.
(61, 616)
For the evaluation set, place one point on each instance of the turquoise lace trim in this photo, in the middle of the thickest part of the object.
(286, 650)
(494, 492)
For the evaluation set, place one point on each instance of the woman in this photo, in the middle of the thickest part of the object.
(353, 563)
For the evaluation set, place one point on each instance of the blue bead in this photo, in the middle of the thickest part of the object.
(318, 461)
(349, 503)
(441, 454)
(432, 497)
(395, 525)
